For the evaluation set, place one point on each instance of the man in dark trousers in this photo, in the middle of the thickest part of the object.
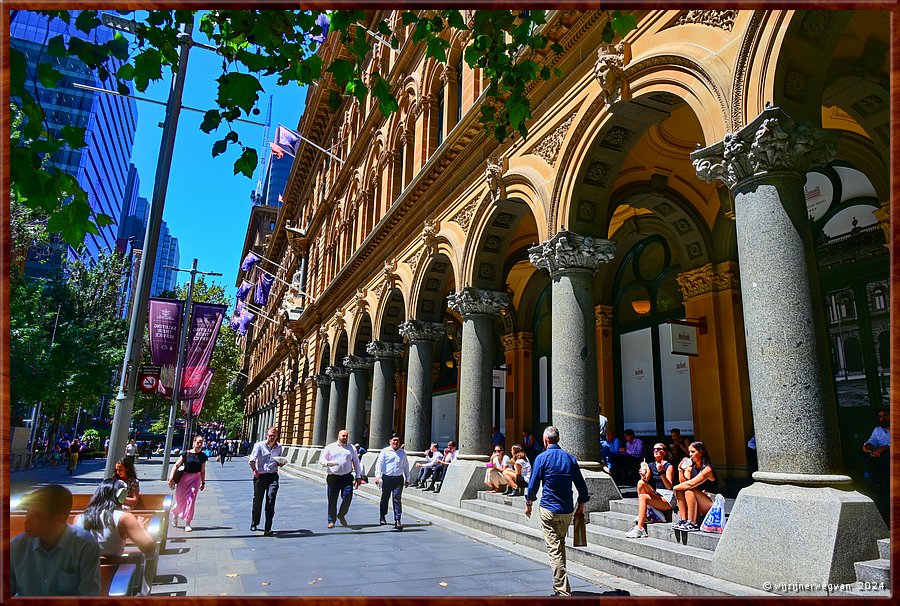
(558, 470)
(344, 474)
(265, 477)
(392, 474)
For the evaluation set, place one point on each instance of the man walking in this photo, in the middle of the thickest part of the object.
(265, 477)
(558, 470)
(392, 474)
(341, 461)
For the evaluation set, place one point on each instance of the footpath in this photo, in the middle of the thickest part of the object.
(304, 558)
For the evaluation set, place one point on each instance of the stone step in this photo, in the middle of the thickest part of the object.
(651, 548)
(663, 530)
(505, 521)
(630, 505)
(874, 572)
(884, 549)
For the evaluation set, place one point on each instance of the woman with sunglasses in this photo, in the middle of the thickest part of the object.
(494, 476)
(654, 489)
(696, 488)
(192, 481)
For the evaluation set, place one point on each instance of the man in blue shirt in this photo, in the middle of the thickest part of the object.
(558, 470)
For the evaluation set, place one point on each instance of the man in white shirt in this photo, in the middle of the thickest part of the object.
(392, 474)
(265, 477)
(877, 451)
(449, 456)
(52, 557)
(341, 461)
(433, 460)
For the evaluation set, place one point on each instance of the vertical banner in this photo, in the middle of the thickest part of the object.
(197, 404)
(206, 318)
(165, 330)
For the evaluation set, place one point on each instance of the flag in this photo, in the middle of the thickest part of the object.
(244, 289)
(323, 21)
(197, 403)
(206, 318)
(165, 329)
(263, 285)
(286, 140)
(279, 153)
(246, 319)
(249, 261)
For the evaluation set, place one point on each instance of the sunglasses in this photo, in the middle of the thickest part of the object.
(662, 449)
(498, 450)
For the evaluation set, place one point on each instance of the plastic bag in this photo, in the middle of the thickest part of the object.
(579, 530)
(715, 517)
(654, 515)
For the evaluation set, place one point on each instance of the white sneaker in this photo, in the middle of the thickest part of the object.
(188, 528)
(637, 533)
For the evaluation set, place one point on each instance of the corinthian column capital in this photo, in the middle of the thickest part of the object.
(337, 372)
(322, 379)
(382, 349)
(568, 251)
(416, 330)
(476, 301)
(773, 142)
(358, 362)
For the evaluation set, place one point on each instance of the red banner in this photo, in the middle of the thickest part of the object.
(197, 405)
(206, 318)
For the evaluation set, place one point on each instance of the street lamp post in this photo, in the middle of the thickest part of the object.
(179, 365)
(37, 411)
(125, 397)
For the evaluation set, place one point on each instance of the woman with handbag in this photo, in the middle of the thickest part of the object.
(696, 489)
(654, 489)
(192, 480)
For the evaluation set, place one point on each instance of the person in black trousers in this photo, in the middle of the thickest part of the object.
(265, 478)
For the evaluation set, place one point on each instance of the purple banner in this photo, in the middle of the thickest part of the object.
(197, 404)
(165, 329)
(263, 285)
(245, 320)
(206, 318)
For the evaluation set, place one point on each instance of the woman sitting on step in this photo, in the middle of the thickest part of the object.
(654, 489)
(493, 477)
(518, 473)
(696, 488)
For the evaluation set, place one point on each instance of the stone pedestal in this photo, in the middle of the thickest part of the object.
(417, 427)
(462, 480)
(320, 420)
(382, 417)
(572, 261)
(765, 165)
(356, 395)
(337, 404)
(476, 394)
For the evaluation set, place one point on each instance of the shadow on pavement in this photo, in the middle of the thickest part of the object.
(169, 579)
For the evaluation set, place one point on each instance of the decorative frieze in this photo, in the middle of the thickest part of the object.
(383, 349)
(568, 251)
(772, 142)
(723, 19)
(603, 317)
(337, 372)
(517, 340)
(359, 362)
(476, 301)
(610, 71)
(549, 147)
(416, 330)
(464, 217)
(706, 279)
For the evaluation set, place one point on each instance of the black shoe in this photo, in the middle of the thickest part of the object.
(398, 525)
(268, 533)
(343, 521)
(252, 527)
(430, 488)
(510, 492)
(382, 522)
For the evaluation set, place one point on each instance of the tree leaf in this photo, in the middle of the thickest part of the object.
(47, 75)
(622, 24)
(455, 20)
(342, 70)
(17, 71)
(73, 136)
(219, 147)
(147, 67)
(211, 121)
(238, 90)
(246, 164)
(87, 21)
(56, 47)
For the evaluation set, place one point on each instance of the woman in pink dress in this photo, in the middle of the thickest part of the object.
(192, 480)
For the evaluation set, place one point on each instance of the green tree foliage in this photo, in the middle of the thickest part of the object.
(77, 368)
(507, 45)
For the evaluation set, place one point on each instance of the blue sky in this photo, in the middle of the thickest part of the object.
(207, 206)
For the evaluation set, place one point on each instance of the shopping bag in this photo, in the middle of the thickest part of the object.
(715, 517)
(580, 530)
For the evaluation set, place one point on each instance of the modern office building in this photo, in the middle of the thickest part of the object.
(110, 122)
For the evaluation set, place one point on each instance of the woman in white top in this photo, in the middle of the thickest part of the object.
(494, 477)
(518, 473)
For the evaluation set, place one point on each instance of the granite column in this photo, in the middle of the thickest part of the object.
(337, 405)
(320, 420)
(417, 426)
(382, 418)
(356, 395)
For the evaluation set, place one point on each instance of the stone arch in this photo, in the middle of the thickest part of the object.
(361, 332)
(391, 313)
(341, 349)
(434, 280)
(325, 358)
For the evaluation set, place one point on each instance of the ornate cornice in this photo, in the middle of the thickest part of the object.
(516, 341)
(384, 350)
(337, 372)
(549, 147)
(723, 19)
(416, 330)
(359, 362)
(476, 301)
(568, 251)
(707, 279)
(773, 142)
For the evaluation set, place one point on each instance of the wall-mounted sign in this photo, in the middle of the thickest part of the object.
(683, 338)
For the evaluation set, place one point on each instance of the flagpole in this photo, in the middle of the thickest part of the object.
(258, 312)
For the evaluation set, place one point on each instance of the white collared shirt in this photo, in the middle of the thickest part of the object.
(392, 463)
(346, 457)
(265, 457)
(434, 459)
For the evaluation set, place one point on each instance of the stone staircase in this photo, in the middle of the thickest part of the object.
(659, 562)
(873, 577)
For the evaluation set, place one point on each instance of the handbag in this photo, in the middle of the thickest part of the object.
(580, 530)
(179, 471)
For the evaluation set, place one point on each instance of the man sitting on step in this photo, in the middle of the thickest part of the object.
(433, 460)
(439, 471)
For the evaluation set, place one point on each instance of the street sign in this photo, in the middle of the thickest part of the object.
(148, 378)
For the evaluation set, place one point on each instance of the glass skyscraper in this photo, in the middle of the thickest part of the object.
(110, 122)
